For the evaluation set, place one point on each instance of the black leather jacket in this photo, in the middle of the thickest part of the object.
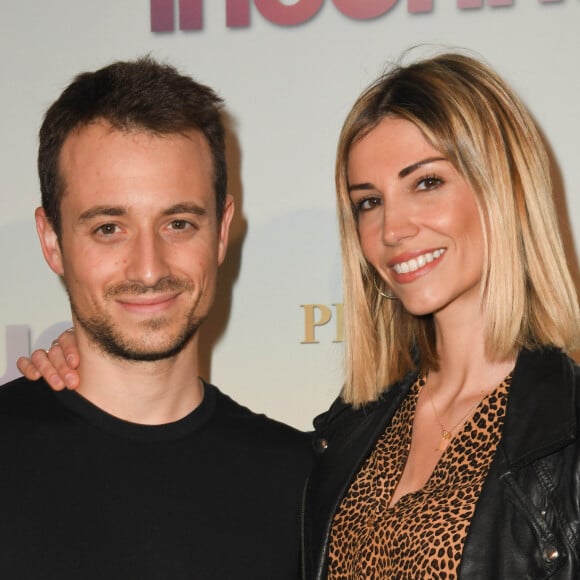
(527, 520)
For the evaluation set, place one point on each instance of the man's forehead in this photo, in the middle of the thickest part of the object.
(134, 168)
(101, 143)
(102, 129)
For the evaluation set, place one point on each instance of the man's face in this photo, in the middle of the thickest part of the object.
(140, 242)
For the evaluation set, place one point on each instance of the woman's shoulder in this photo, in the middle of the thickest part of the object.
(543, 401)
(576, 374)
(341, 414)
(576, 370)
(547, 364)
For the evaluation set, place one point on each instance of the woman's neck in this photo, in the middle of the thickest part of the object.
(465, 367)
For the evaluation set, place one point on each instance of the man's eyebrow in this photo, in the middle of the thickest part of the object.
(186, 208)
(115, 211)
(408, 170)
(102, 210)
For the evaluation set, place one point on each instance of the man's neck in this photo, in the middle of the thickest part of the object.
(149, 393)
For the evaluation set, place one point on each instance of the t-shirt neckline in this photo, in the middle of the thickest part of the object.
(99, 418)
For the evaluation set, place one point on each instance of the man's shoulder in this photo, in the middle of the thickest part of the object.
(24, 402)
(251, 425)
(22, 391)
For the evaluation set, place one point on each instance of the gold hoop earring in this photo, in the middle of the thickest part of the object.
(389, 296)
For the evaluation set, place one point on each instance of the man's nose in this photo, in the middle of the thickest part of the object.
(147, 262)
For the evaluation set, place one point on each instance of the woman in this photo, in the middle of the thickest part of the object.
(451, 452)
(458, 297)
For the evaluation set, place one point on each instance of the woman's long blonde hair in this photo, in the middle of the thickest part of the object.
(468, 113)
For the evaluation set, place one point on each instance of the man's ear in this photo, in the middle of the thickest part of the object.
(49, 242)
(224, 228)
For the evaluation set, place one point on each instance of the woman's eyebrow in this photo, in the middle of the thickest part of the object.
(360, 186)
(408, 170)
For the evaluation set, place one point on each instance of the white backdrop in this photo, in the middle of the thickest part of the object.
(288, 89)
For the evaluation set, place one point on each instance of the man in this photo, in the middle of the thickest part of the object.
(144, 471)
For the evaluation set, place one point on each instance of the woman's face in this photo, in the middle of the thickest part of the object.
(418, 220)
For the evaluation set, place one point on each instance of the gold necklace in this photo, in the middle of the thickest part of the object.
(446, 433)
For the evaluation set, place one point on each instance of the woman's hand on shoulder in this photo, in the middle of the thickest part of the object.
(57, 365)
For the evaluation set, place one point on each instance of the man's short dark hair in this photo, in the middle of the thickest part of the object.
(134, 95)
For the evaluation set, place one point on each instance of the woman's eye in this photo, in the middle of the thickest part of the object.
(429, 182)
(367, 203)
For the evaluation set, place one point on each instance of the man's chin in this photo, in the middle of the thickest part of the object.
(156, 340)
(142, 350)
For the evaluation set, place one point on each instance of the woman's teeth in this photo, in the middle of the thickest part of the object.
(418, 262)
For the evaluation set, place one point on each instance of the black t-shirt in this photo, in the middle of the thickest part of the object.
(84, 495)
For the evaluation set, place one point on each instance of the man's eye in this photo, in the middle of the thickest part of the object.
(107, 229)
(180, 225)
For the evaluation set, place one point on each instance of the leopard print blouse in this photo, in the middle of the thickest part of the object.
(423, 534)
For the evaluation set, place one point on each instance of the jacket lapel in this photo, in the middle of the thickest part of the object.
(350, 436)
